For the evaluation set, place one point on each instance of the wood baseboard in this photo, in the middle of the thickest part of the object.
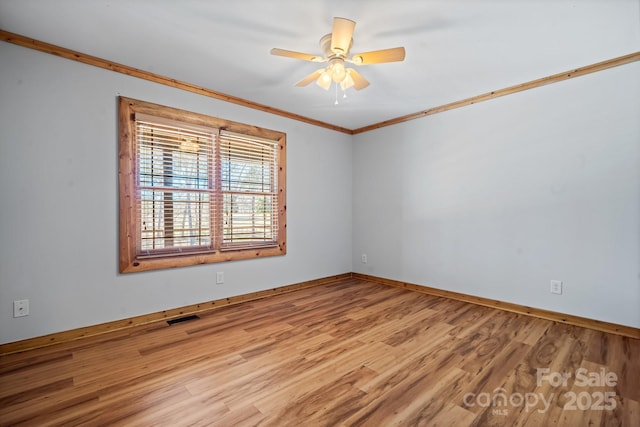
(89, 331)
(569, 319)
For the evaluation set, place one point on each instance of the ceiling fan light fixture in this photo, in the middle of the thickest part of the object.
(347, 82)
(335, 72)
(338, 72)
(324, 81)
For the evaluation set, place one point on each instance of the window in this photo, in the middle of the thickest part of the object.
(196, 189)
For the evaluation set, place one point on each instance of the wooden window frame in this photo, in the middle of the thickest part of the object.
(129, 194)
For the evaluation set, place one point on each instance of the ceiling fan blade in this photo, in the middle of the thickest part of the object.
(379, 56)
(310, 78)
(296, 55)
(341, 35)
(359, 82)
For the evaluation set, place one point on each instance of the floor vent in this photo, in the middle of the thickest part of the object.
(182, 319)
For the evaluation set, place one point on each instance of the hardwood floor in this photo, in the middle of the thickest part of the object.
(352, 353)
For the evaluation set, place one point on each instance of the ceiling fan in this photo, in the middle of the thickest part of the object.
(335, 48)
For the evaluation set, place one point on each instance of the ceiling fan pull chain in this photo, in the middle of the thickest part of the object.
(336, 103)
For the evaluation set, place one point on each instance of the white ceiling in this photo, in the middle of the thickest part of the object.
(455, 48)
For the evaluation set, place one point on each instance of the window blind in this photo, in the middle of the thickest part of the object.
(175, 170)
(249, 186)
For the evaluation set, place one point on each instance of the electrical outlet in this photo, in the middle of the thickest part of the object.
(21, 308)
(556, 287)
(220, 277)
(364, 258)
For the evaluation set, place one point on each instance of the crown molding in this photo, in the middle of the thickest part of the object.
(167, 81)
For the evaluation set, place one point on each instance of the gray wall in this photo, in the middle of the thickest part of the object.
(498, 198)
(492, 200)
(59, 208)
